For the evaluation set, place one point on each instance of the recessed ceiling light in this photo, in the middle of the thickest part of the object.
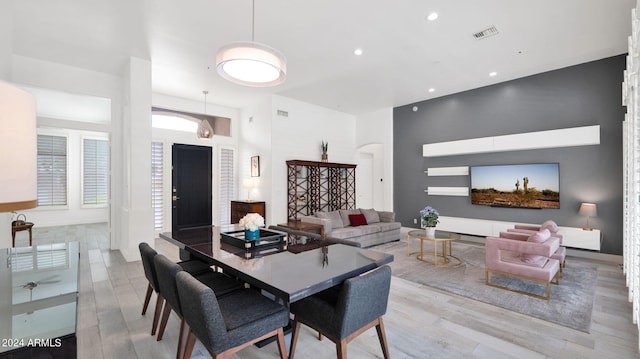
(432, 16)
(492, 73)
(357, 51)
(431, 89)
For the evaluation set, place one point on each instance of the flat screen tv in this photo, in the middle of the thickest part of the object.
(516, 186)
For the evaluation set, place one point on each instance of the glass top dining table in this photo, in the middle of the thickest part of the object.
(289, 276)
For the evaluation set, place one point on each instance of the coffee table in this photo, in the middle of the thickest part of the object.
(443, 258)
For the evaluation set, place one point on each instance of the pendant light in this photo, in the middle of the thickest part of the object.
(18, 149)
(250, 63)
(205, 131)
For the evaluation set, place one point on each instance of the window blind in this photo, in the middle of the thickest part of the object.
(157, 185)
(52, 170)
(95, 175)
(227, 184)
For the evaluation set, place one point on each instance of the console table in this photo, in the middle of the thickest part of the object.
(240, 208)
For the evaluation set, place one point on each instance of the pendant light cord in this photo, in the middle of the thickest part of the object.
(205, 92)
(253, 20)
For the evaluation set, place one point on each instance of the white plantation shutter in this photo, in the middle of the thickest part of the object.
(227, 184)
(52, 170)
(95, 171)
(157, 185)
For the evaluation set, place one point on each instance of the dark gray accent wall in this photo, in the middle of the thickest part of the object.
(581, 95)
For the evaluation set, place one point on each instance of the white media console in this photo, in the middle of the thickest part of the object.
(571, 236)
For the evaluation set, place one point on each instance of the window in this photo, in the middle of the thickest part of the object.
(52, 170)
(95, 172)
(157, 185)
(227, 184)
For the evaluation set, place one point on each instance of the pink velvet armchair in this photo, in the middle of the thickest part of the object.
(525, 259)
(560, 254)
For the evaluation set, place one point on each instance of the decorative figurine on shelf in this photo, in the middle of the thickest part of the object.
(251, 223)
(325, 147)
(429, 219)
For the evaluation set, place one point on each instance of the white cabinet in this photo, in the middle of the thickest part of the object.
(571, 236)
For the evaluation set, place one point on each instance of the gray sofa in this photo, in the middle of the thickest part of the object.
(380, 226)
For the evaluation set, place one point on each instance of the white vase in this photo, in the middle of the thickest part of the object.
(431, 232)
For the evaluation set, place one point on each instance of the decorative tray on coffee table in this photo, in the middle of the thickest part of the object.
(267, 238)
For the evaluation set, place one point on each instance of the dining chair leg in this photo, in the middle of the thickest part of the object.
(282, 348)
(383, 338)
(165, 319)
(156, 314)
(147, 298)
(341, 348)
(294, 337)
(190, 343)
(182, 338)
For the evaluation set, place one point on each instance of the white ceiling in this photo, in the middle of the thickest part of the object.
(404, 54)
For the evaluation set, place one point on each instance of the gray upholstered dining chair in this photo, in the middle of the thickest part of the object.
(342, 313)
(227, 324)
(166, 271)
(148, 254)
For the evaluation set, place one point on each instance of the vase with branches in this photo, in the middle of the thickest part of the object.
(325, 147)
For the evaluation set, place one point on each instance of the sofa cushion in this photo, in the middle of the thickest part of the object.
(344, 214)
(351, 232)
(371, 215)
(550, 225)
(357, 220)
(389, 226)
(530, 260)
(333, 217)
(533, 259)
(540, 236)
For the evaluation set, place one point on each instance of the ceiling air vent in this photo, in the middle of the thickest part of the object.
(490, 31)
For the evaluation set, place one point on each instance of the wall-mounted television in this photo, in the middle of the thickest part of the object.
(516, 186)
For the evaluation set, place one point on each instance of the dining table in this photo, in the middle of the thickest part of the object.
(273, 268)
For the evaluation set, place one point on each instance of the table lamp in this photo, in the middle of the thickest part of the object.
(589, 210)
(250, 184)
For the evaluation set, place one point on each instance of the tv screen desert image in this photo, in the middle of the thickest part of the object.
(519, 186)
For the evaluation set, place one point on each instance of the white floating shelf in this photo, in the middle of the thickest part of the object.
(447, 171)
(566, 137)
(447, 191)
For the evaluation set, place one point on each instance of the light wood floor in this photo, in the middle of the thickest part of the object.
(420, 322)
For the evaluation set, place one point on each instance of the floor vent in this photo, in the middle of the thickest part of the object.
(283, 113)
(486, 33)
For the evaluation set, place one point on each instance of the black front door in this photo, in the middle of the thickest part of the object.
(191, 187)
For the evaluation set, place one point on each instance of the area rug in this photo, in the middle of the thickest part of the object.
(570, 305)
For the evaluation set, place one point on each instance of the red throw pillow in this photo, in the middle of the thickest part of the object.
(357, 220)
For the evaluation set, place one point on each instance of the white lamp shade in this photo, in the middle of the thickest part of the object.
(248, 183)
(18, 149)
(251, 64)
(588, 209)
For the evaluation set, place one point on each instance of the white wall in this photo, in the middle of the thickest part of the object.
(298, 137)
(256, 140)
(376, 128)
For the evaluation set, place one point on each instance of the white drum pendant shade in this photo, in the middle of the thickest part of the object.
(251, 64)
(18, 149)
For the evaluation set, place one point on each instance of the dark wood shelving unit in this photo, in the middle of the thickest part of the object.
(319, 186)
